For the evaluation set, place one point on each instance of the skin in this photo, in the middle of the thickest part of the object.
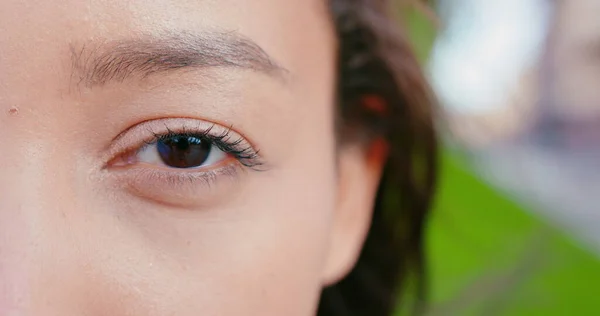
(82, 233)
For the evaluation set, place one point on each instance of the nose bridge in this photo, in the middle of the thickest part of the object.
(19, 241)
(17, 255)
(30, 223)
(38, 254)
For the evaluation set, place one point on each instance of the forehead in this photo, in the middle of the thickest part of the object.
(36, 36)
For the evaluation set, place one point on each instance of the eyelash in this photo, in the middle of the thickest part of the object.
(180, 187)
(238, 148)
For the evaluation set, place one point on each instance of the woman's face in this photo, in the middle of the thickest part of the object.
(175, 157)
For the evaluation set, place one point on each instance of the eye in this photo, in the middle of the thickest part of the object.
(170, 160)
(182, 144)
(181, 151)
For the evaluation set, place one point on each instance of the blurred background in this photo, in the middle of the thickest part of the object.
(516, 229)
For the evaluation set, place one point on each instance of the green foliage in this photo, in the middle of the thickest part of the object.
(488, 255)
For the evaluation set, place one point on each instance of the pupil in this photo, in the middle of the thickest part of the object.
(183, 151)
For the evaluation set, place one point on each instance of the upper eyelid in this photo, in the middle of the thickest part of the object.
(144, 132)
(187, 132)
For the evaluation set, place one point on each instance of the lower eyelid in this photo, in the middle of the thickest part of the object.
(179, 189)
(165, 172)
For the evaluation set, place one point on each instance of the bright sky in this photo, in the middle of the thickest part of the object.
(486, 45)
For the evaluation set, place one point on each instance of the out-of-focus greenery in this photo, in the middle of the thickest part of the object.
(421, 30)
(489, 255)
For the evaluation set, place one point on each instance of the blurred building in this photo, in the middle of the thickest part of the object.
(517, 79)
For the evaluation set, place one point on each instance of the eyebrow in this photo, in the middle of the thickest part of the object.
(96, 64)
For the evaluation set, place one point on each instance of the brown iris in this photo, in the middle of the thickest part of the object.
(183, 151)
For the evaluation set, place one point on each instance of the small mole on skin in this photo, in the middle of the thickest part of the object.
(13, 110)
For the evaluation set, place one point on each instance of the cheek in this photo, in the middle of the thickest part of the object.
(260, 253)
(286, 239)
(84, 251)
(264, 250)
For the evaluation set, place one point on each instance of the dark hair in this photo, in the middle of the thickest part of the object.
(375, 60)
